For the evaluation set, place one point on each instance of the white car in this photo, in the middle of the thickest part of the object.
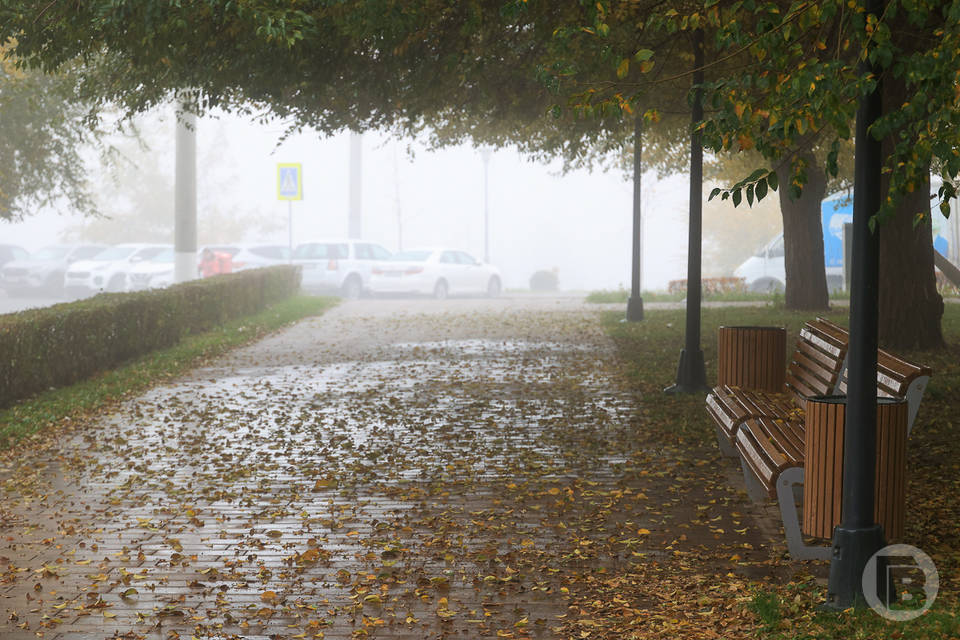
(436, 272)
(107, 270)
(152, 273)
(260, 255)
(43, 271)
(343, 266)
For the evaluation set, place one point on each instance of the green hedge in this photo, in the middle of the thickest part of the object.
(59, 345)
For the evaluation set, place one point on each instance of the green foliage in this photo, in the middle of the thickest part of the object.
(43, 131)
(59, 345)
(53, 406)
(802, 78)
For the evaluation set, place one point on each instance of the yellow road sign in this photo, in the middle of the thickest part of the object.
(289, 181)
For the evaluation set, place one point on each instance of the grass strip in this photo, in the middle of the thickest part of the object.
(79, 400)
(608, 296)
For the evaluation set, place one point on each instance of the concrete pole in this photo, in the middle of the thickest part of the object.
(354, 221)
(185, 196)
(396, 199)
(485, 154)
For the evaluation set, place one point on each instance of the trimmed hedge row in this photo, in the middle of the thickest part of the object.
(59, 345)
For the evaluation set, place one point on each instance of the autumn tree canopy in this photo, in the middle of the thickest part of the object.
(42, 130)
(782, 76)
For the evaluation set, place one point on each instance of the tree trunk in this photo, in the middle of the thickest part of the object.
(910, 307)
(806, 286)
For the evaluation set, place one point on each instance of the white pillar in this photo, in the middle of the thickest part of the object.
(185, 196)
(354, 221)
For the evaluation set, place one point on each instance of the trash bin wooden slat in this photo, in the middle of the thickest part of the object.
(823, 466)
(752, 357)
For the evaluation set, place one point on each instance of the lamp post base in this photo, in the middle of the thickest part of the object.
(852, 548)
(634, 309)
(691, 374)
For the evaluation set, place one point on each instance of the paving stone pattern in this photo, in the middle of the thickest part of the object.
(382, 471)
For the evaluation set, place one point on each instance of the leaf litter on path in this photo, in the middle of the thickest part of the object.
(422, 475)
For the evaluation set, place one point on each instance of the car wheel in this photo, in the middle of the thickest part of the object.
(352, 288)
(493, 287)
(766, 285)
(440, 290)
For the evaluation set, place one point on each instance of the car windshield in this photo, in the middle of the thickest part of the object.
(165, 255)
(411, 256)
(114, 253)
(148, 253)
(275, 253)
(51, 253)
(85, 253)
(318, 251)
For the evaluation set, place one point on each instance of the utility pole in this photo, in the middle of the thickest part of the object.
(635, 301)
(485, 154)
(185, 193)
(691, 372)
(354, 222)
(858, 537)
(396, 199)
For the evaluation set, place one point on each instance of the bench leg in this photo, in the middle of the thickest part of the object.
(791, 523)
(755, 489)
(726, 447)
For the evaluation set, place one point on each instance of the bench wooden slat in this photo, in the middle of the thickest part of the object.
(823, 342)
(758, 463)
(830, 363)
(807, 387)
(813, 368)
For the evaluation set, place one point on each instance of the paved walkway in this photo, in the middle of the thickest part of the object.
(392, 469)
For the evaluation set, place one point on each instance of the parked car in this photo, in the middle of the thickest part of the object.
(436, 272)
(153, 272)
(109, 269)
(42, 272)
(10, 252)
(343, 266)
(260, 255)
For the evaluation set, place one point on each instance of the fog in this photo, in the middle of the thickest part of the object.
(578, 223)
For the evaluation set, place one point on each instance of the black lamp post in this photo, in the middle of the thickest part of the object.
(635, 301)
(858, 537)
(691, 372)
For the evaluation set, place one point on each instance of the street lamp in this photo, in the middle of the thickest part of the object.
(485, 153)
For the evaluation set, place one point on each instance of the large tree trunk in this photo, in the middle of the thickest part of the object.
(806, 286)
(910, 307)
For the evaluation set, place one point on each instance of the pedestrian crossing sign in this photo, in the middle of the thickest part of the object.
(289, 181)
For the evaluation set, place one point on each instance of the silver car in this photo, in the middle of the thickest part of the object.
(109, 269)
(43, 271)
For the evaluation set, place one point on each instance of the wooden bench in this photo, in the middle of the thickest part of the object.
(771, 447)
(815, 369)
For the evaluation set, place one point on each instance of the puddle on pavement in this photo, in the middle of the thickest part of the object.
(301, 481)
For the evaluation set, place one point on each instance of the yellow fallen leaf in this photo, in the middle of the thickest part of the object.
(268, 596)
